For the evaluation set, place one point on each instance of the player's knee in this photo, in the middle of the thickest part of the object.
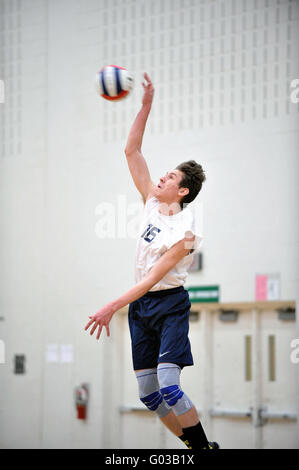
(171, 394)
(169, 380)
(152, 401)
(149, 392)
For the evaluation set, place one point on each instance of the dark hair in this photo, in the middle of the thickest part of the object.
(193, 177)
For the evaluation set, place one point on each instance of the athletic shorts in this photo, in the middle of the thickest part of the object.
(159, 326)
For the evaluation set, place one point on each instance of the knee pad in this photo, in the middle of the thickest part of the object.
(169, 381)
(149, 392)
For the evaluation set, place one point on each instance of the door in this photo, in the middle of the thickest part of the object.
(243, 381)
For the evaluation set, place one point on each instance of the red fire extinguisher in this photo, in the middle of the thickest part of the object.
(81, 398)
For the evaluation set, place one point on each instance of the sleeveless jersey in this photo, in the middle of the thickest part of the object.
(157, 234)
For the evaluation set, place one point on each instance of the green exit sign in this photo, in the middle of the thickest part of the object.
(204, 293)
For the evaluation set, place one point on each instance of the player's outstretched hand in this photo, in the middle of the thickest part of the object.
(101, 318)
(148, 90)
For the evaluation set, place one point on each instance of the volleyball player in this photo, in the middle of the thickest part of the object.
(158, 304)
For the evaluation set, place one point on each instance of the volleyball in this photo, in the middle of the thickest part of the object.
(113, 82)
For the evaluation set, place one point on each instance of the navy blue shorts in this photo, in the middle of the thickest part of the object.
(159, 326)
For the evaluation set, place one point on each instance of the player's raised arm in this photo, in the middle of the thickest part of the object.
(136, 161)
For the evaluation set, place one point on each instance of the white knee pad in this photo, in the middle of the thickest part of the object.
(149, 392)
(169, 381)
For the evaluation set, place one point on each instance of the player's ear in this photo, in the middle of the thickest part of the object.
(183, 192)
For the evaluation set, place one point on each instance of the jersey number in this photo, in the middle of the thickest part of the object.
(150, 233)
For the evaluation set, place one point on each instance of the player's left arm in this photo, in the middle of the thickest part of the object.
(165, 263)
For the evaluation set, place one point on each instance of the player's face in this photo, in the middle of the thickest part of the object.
(168, 190)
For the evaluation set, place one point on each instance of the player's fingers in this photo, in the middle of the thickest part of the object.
(99, 331)
(147, 78)
(107, 330)
(94, 327)
(88, 324)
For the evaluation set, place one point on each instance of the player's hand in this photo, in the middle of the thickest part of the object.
(101, 318)
(148, 90)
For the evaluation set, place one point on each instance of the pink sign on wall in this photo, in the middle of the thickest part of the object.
(267, 287)
(261, 287)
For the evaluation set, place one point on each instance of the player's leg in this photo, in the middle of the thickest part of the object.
(175, 350)
(150, 395)
(145, 350)
(172, 423)
(145, 353)
(190, 418)
(192, 432)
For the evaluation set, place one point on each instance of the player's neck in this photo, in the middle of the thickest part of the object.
(169, 209)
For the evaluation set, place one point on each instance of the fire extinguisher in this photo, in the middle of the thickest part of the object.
(81, 399)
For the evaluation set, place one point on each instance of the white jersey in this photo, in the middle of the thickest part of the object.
(157, 234)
